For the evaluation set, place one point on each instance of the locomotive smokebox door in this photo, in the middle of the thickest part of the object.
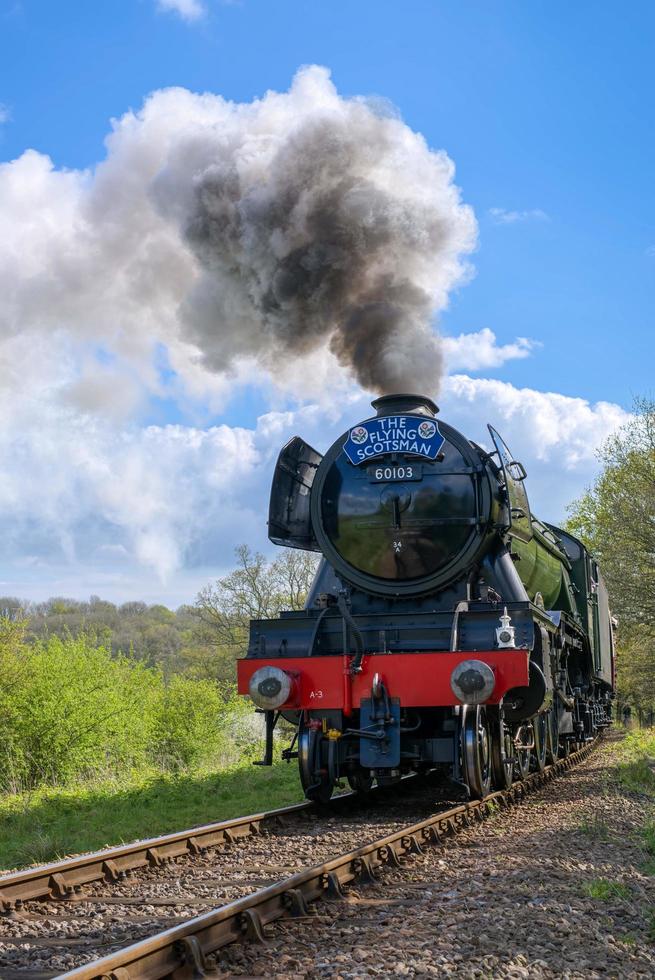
(401, 503)
(380, 742)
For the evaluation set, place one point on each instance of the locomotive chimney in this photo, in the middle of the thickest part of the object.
(402, 404)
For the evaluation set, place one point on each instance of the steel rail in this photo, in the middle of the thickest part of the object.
(181, 951)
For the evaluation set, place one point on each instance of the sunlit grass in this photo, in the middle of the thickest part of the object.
(635, 771)
(636, 762)
(47, 824)
(605, 890)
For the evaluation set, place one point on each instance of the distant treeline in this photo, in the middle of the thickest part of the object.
(153, 634)
(200, 640)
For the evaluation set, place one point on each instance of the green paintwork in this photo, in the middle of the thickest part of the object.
(543, 568)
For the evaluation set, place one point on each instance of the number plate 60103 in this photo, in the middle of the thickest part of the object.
(394, 473)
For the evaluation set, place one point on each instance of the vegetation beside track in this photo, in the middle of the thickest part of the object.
(50, 823)
(98, 749)
(615, 519)
(635, 771)
(635, 767)
(71, 710)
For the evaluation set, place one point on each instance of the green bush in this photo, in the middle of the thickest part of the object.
(187, 723)
(242, 729)
(71, 710)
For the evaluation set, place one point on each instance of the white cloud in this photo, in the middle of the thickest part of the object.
(92, 278)
(650, 251)
(72, 483)
(502, 216)
(189, 10)
(479, 351)
(554, 435)
(89, 503)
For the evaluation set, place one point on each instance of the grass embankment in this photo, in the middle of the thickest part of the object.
(97, 749)
(49, 823)
(635, 771)
(636, 761)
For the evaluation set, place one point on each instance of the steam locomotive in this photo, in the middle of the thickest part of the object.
(446, 628)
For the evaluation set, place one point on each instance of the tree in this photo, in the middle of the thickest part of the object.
(636, 670)
(13, 608)
(161, 644)
(132, 608)
(615, 518)
(256, 589)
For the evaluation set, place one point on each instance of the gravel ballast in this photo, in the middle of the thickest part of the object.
(509, 898)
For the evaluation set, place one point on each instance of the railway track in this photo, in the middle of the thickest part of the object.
(189, 946)
(75, 910)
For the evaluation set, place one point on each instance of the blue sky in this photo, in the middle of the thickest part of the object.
(546, 110)
(543, 107)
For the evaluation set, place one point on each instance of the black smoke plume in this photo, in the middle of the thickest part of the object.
(318, 221)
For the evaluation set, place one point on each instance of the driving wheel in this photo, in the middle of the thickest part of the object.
(314, 775)
(552, 733)
(523, 743)
(476, 750)
(540, 729)
(502, 749)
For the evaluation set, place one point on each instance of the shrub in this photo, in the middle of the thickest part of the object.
(187, 723)
(70, 709)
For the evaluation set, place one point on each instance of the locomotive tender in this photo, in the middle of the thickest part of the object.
(446, 628)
